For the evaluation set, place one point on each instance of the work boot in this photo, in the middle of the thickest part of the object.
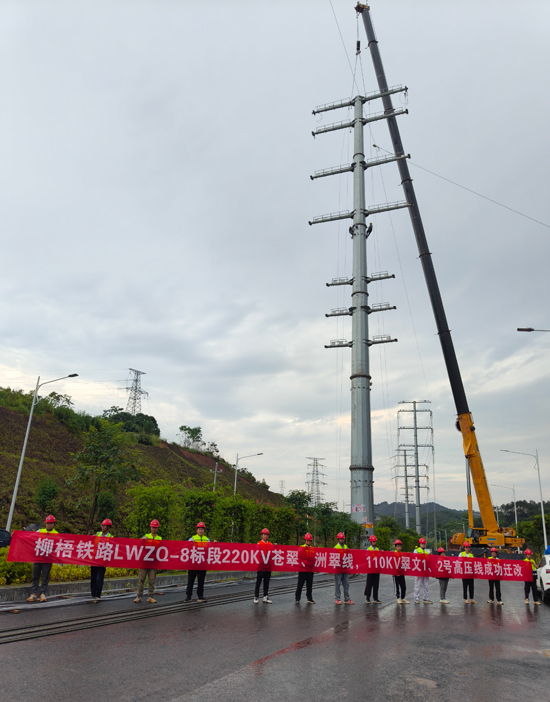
(537, 603)
(444, 601)
(255, 600)
(428, 602)
(42, 597)
(403, 601)
(473, 601)
(188, 599)
(313, 602)
(151, 600)
(349, 602)
(490, 602)
(376, 602)
(201, 599)
(337, 601)
(32, 598)
(267, 600)
(500, 602)
(138, 599)
(399, 600)
(526, 600)
(466, 601)
(417, 601)
(367, 600)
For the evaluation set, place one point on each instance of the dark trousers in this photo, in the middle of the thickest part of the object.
(494, 585)
(400, 587)
(307, 578)
(373, 580)
(97, 575)
(264, 575)
(530, 586)
(468, 584)
(200, 575)
(37, 569)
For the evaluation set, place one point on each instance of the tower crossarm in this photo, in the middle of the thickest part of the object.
(381, 339)
(336, 170)
(339, 344)
(340, 281)
(348, 124)
(364, 98)
(332, 217)
(378, 209)
(371, 162)
(382, 275)
(380, 307)
(340, 312)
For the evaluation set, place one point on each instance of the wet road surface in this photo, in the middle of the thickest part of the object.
(283, 651)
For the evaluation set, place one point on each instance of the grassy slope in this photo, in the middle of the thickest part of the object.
(48, 455)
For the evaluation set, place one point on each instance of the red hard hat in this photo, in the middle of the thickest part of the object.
(397, 542)
(341, 535)
(265, 531)
(155, 522)
(308, 537)
(528, 552)
(466, 544)
(49, 519)
(422, 540)
(372, 538)
(106, 522)
(495, 550)
(200, 525)
(441, 549)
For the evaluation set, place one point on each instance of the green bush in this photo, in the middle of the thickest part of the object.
(13, 573)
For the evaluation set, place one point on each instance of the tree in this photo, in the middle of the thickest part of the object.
(192, 436)
(300, 501)
(140, 423)
(101, 465)
(46, 493)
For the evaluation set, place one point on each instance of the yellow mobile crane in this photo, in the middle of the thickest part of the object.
(491, 534)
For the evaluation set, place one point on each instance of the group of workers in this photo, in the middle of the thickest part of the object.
(341, 580)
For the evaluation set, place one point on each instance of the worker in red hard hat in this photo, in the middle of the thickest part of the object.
(149, 573)
(443, 582)
(307, 559)
(97, 573)
(199, 574)
(341, 579)
(494, 585)
(373, 579)
(531, 585)
(43, 569)
(263, 576)
(421, 582)
(399, 580)
(467, 583)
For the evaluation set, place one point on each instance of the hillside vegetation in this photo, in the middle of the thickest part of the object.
(50, 459)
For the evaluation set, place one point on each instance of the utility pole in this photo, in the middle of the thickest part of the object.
(314, 484)
(135, 393)
(415, 446)
(406, 477)
(362, 468)
(216, 471)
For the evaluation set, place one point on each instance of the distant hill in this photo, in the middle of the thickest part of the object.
(447, 518)
(48, 455)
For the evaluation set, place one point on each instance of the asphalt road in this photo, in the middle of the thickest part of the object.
(283, 651)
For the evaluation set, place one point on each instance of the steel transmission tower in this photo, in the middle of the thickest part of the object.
(135, 393)
(413, 449)
(314, 482)
(362, 480)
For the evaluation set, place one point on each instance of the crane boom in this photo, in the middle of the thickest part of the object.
(464, 421)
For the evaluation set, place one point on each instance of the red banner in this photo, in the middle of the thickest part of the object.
(40, 547)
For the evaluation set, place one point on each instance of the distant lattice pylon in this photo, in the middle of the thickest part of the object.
(135, 392)
(282, 487)
(314, 482)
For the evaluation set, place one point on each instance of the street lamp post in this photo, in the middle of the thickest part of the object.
(237, 467)
(513, 489)
(537, 468)
(530, 329)
(38, 385)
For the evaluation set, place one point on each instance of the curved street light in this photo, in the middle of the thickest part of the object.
(38, 385)
(237, 467)
(537, 468)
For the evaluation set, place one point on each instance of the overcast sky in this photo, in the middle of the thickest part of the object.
(155, 198)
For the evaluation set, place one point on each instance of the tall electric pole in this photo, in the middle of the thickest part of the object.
(135, 392)
(362, 468)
